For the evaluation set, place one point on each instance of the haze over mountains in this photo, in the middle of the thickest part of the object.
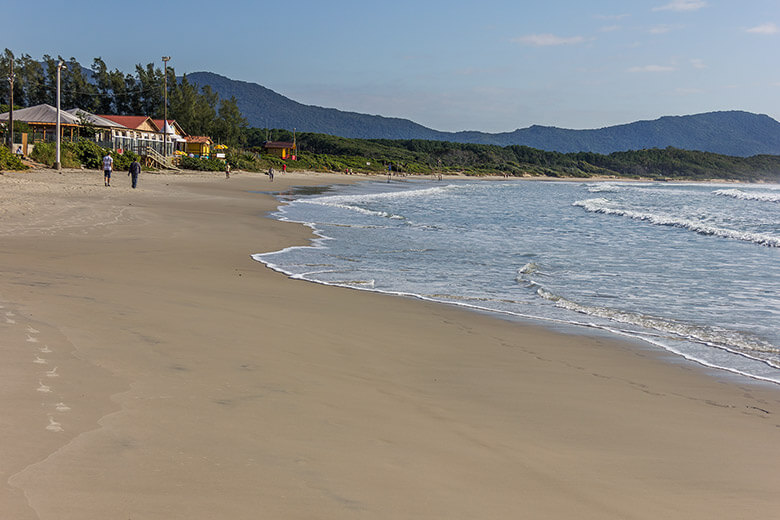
(730, 133)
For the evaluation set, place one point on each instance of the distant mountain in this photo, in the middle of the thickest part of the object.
(734, 133)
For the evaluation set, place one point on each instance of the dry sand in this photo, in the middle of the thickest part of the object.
(152, 370)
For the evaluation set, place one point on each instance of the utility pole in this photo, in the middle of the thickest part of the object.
(165, 106)
(57, 164)
(11, 77)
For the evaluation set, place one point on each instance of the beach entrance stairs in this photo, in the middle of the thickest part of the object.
(154, 159)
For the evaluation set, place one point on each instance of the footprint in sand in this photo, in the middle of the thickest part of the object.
(62, 407)
(32, 330)
(54, 426)
(45, 349)
(39, 360)
(52, 373)
(31, 339)
(44, 389)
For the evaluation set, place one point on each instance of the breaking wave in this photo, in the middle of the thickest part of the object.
(749, 195)
(714, 336)
(604, 206)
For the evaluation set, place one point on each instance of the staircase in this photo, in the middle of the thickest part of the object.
(154, 159)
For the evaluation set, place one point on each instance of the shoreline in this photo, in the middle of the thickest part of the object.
(202, 384)
(587, 327)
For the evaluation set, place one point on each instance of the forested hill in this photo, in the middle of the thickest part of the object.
(733, 133)
(264, 108)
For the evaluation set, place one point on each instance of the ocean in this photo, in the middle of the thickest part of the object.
(693, 269)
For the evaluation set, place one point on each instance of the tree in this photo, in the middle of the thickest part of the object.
(32, 84)
(5, 69)
(79, 92)
(150, 82)
(118, 84)
(230, 125)
(182, 102)
(103, 85)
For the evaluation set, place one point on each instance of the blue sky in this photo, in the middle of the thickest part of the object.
(476, 65)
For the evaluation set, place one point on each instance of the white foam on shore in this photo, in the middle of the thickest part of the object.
(636, 335)
(606, 207)
(666, 335)
(761, 196)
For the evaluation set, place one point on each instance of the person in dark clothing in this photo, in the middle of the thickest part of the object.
(135, 169)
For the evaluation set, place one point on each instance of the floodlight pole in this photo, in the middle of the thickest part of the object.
(11, 78)
(57, 164)
(165, 106)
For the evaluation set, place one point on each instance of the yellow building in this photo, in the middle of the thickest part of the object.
(199, 146)
(282, 149)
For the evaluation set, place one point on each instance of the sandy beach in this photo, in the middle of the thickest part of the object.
(153, 370)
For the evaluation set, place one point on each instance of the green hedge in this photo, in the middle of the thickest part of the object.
(84, 153)
(203, 165)
(46, 153)
(10, 161)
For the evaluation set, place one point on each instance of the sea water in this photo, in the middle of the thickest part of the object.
(690, 268)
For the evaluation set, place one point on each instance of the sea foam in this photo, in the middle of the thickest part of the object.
(604, 206)
(749, 195)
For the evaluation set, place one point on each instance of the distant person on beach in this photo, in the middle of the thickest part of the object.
(135, 169)
(108, 164)
(227, 170)
(284, 168)
(271, 174)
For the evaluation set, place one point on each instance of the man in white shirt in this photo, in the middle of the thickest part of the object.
(108, 163)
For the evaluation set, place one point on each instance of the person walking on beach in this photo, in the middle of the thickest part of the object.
(108, 164)
(227, 170)
(135, 169)
(271, 174)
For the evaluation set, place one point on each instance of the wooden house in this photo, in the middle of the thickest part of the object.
(140, 132)
(42, 120)
(198, 146)
(281, 149)
(177, 137)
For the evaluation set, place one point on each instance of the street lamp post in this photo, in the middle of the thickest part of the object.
(11, 77)
(165, 106)
(61, 65)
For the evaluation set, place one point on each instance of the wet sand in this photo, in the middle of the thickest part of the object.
(153, 370)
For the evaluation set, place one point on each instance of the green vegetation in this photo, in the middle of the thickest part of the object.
(9, 161)
(321, 152)
(730, 133)
(102, 91)
(84, 153)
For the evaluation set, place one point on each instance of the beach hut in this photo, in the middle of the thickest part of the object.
(198, 146)
(281, 149)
